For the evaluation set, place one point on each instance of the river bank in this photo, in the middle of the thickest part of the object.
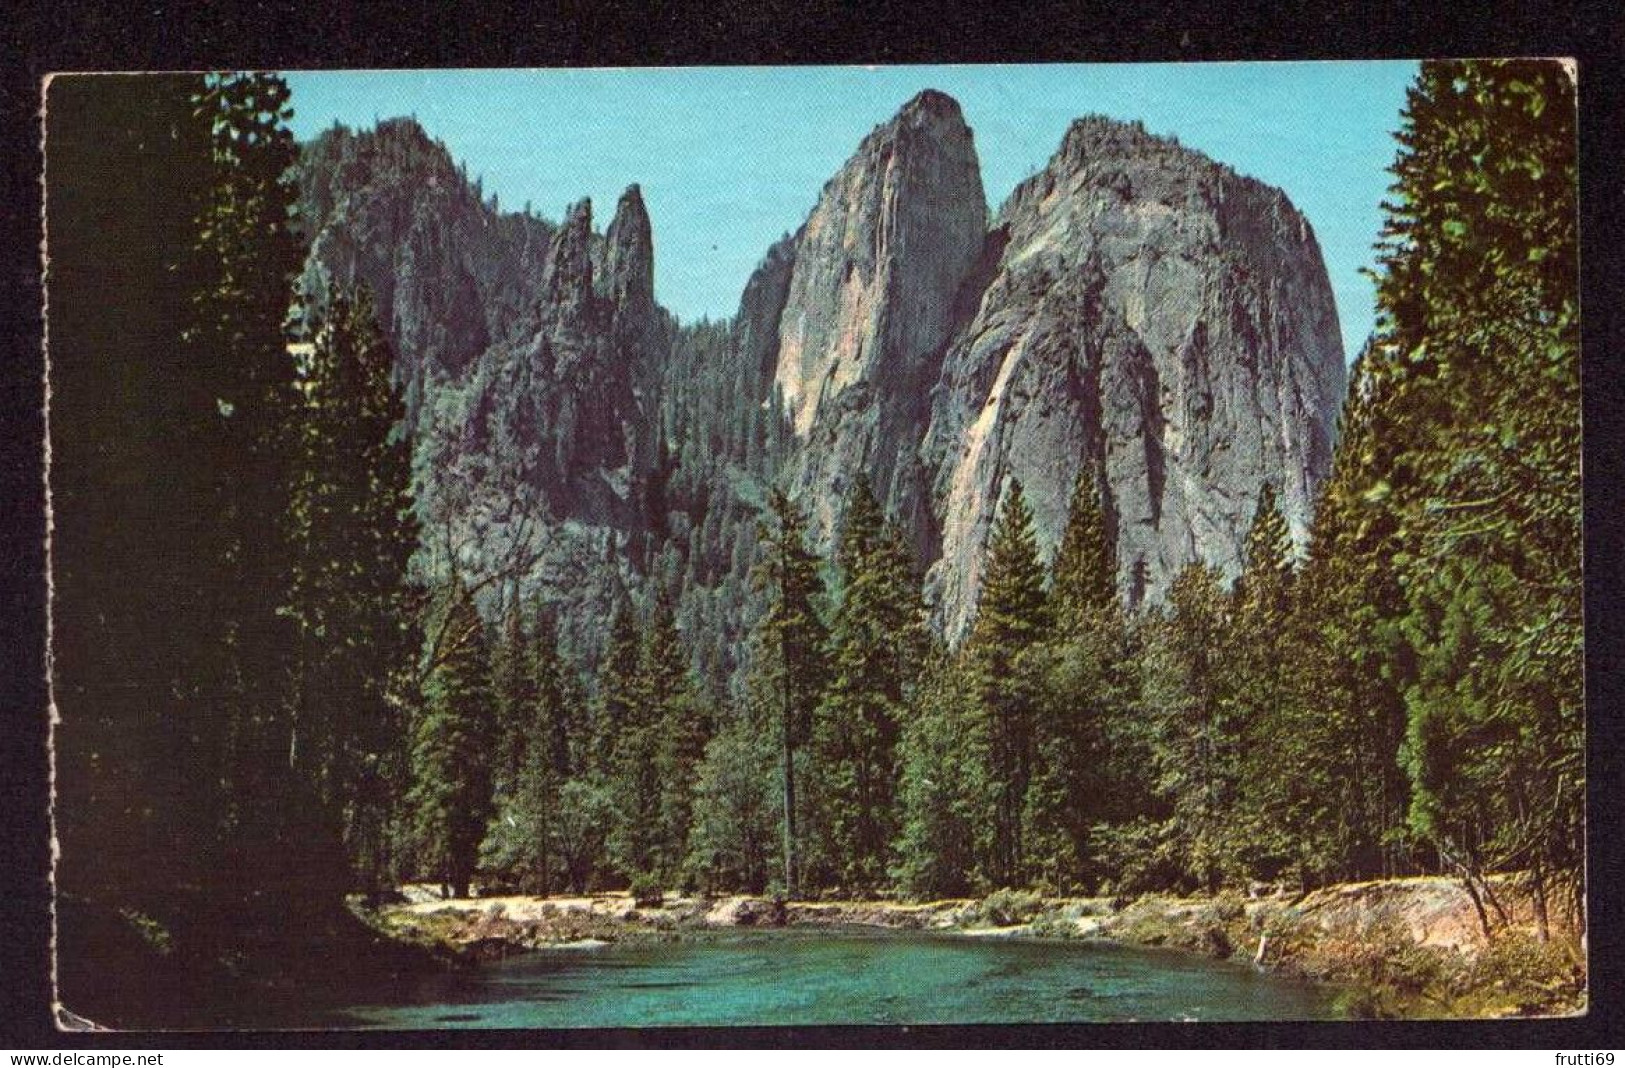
(187, 963)
(1395, 948)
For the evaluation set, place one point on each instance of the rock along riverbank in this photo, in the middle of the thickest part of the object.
(1403, 947)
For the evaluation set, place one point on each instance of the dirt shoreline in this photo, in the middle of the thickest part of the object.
(1402, 947)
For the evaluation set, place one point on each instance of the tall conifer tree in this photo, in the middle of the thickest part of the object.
(947, 797)
(1079, 780)
(1479, 333)
(354, 531)
(790, 642)
(1260, 717)
(1350, 663)
(1084, 586)
(450, 799)
(1012, 616)
(1196, 747)
(877, 643)
(524, 840)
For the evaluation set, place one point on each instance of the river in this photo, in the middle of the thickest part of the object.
(844, 977)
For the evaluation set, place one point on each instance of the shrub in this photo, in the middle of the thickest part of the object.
(646, 891)
(1519, 973)
(1008, 908)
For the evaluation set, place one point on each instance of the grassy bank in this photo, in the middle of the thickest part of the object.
(1397, 948)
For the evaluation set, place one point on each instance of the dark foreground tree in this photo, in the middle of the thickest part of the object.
(1479, 381)
(450, 798)
(354, 531)
(174, 431)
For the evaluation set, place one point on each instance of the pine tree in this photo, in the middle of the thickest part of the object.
(615, 705)
(557, 721)
(734, 836)
(1081, 680)
(238, 380)
(354, 531)
(1084, 583)
(513, 698)
(1196, 746)
(637, 677)
(237, 333)
(790, 643)
(1013, 615)
(662, 701)
(523, 839)
(172, 230)
(1266, 822)
(877, 642)
(948, 801)
(450, 798)
(1479, 379)
(1350, 667)
(682, 726)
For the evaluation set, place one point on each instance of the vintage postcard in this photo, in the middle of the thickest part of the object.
(826, 545)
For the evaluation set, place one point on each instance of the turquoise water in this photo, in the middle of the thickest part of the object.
(796, 977)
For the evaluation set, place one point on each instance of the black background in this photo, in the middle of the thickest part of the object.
(37, 38)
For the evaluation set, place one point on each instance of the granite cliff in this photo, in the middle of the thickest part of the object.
(529, 353)
(869, 309)
(1159, 319)
(1134, 309)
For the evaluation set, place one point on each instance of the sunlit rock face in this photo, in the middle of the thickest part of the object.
(1135, 310)
(1158, 319)
(878, 267)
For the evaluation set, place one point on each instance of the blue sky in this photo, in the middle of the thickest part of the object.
(731, 158)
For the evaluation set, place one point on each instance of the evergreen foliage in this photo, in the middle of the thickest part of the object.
(354, 532)
(1349, 793)
(533, 755)
(790, 642)
(1478, 375)
(513, 697)
(1262, 712)
(1081, 779)
(682, 726)
(1013, 616)
(736, 837)
(1197, 746)
(1084, 575)
(947, 793)
(616, 705)
(235, 349)
(877, 642)
(450, 797)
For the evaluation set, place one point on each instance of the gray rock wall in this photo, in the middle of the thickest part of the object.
(1135, 309)
(870, 306)
(1163, 321)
